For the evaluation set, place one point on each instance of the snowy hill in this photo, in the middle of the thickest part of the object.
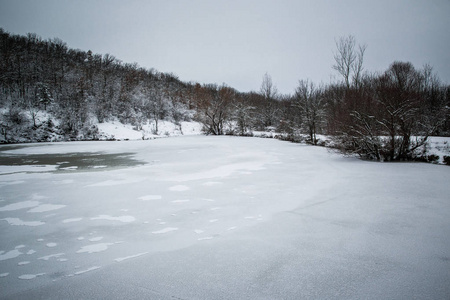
(45, 127)
(118, 131)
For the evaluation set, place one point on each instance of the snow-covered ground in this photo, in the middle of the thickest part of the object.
(119, 131)
(199, 217)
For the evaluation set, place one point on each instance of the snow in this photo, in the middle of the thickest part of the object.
(26, 169)
(47, 257)
(120, 259)
(223, 217)
(30, 276)
(19, 205)
(165, 230)
(45, 208)
(10, 254)
(100, 247)
(439, 146)
(150, 197)
(123, 219)
(117, 130)
(19, 222)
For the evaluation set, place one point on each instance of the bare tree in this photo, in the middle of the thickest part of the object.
(349, 60)
(269, 91)
(308, 99)
(214, 107)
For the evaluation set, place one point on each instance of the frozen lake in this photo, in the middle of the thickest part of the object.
(219, 218)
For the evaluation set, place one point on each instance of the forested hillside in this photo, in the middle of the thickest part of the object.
(49, 92)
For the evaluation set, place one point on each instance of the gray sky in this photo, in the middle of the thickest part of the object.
(236, 42)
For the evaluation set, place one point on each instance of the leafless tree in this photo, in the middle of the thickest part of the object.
(349, 60)
(269, 91)
(311, 105)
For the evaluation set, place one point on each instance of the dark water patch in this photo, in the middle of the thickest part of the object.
(76, 161)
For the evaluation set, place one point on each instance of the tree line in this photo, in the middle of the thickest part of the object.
(383, 116)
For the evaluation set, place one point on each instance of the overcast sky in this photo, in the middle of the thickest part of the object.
(237, 42)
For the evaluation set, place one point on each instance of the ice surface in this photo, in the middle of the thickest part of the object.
(265, 220)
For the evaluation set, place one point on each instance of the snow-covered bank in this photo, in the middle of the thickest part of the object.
(221, 217)
(118, 131)
(42, 126)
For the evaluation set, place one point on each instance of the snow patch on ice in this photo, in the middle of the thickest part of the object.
(30, 276)
(57, 255)
(99, 167)
(96, 239)
(45, 208)
(22, 263)
(87, 270)
(165, 230)
(26, 169)
(120, 259)
(95, 248)
(4, 275)
(180, 201)
(150, 197)
(72, 220)
(123, 219)
(51, 245)
(19, 205)
(10, 254)
(83, 271)
(19, 222)
(71, 168)
(179, 188)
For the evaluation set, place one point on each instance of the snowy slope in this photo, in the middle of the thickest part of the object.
(118, 131)
(219, 217)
